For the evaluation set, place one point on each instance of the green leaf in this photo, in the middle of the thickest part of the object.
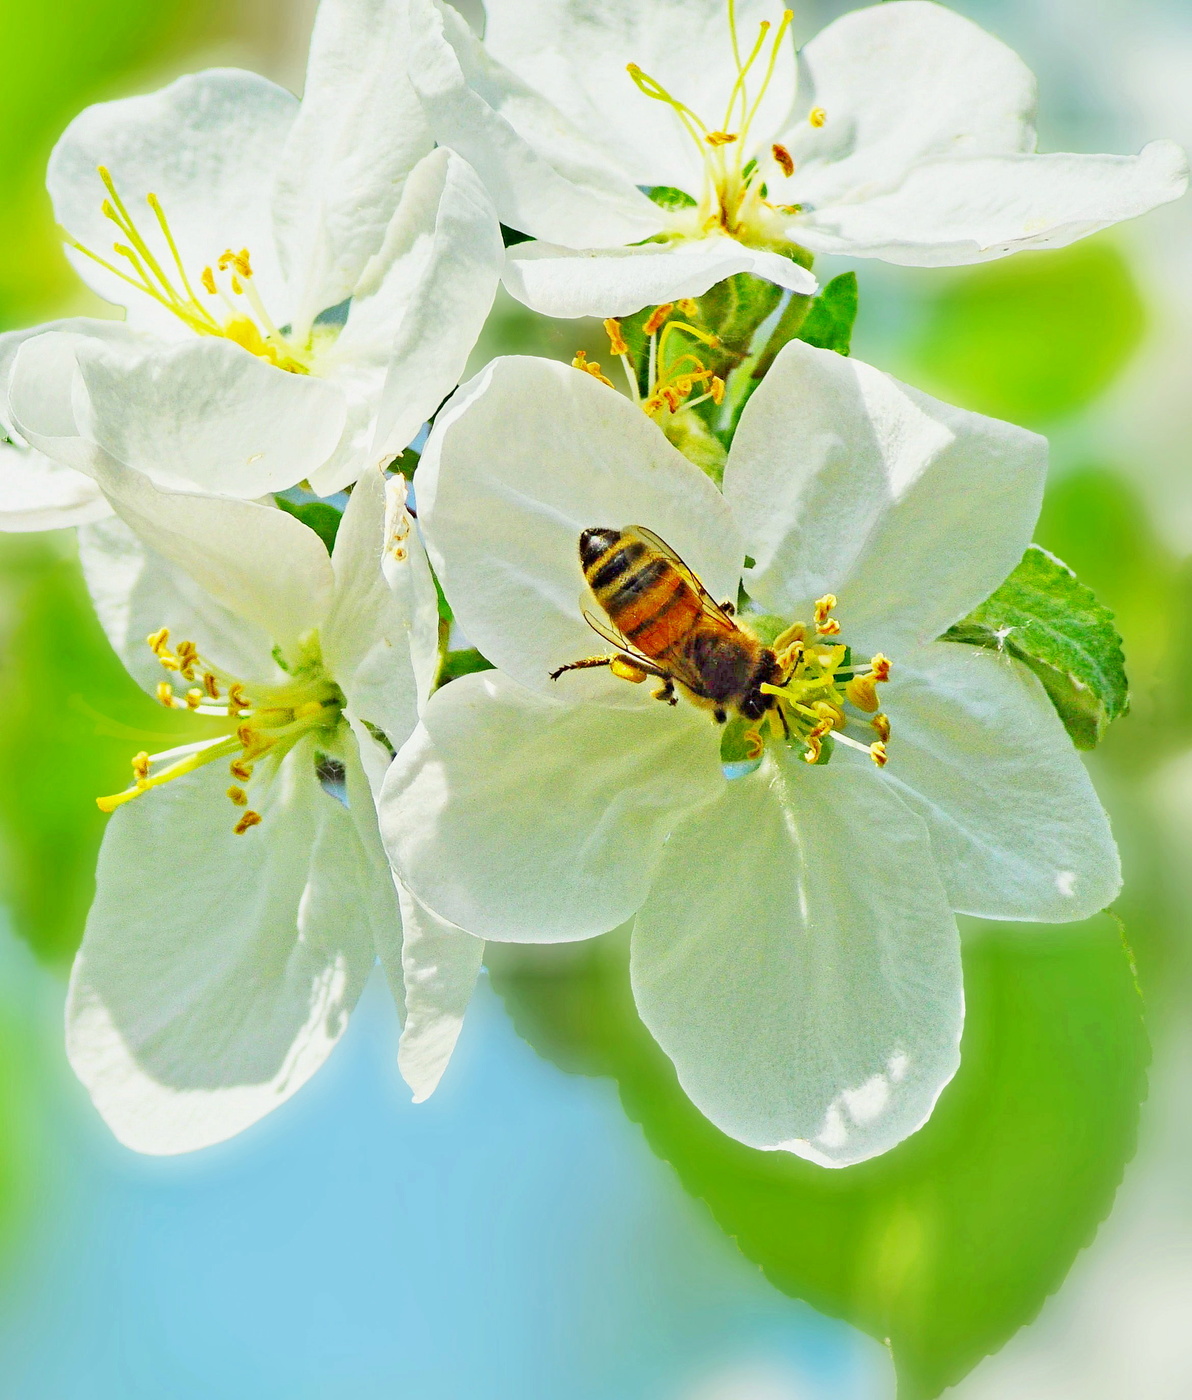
(1046, 618)
(73, 719)
(667, 197)
(318, 516)
(831, 316)
(825, 321)
(949, 1243)
(1031, 339)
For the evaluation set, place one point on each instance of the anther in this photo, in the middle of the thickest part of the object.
(823, 606)
(616, 341)
(657, 317)
(688, 306)
(716, 389)
(207, 277)
(861, 692)
(881, 667)
(247, 822)
(140, 766)
(720, 138)
(165, 693)
(237, 796)
(211, 685)
(878, 753)
(194, 698)
(240, 770)
(881, 724)
(593, 368)
(783, 157)
(817, 117)
(237, 700)
(157, 641)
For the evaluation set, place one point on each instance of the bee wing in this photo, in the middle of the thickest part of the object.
(711, 607)
(672, 668)
(616, 639)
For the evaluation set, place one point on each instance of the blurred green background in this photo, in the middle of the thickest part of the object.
(569, 1226)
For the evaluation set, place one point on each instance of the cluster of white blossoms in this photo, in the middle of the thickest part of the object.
(303, 284)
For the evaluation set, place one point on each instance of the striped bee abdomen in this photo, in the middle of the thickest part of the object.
(646, 598)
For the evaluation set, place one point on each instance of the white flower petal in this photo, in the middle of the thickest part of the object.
(561, 282)
(38, 383)
(911, 511)
(899, 83)
(949, 212)
(419, 309)
(798, 961)
(359, 133)
(217, 971)
(575, 54)
(440, 964)
(38, 494)
(545, 177)
(136, 592)
(523, 819)
(407, 572)
(367, 636)
(201, 414)
(208, 146)
(254, 560)
(524, 458)
(978, 750)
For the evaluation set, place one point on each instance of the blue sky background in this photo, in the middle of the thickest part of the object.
(512, 1238)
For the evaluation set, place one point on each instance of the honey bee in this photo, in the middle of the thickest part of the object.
(665, 624)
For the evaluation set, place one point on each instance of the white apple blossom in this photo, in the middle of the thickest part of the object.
(240, 905)
(302, 281)
(794, 945)
(902, 131)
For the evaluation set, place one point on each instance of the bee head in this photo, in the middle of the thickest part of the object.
(756, 702)
(595, 543)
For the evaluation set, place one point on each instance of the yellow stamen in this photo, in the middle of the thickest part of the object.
(237, 796)
(173, 290)
(657, 317)
(784, 159)
(616, 341)
(878, 753)
(881, 667)
(720, 138)
(881, 725)
(862, 692)
(581, 362)
(817, 117)
(247, 822)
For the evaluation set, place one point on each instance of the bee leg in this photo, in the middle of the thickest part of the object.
(729, 607)
(666, 691)
(720, 716)
(583, 665)
(786, 729)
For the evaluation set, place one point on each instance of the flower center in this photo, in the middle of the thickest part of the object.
(734, 196)
(262, 728)
(820, 692)
(230, 306)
